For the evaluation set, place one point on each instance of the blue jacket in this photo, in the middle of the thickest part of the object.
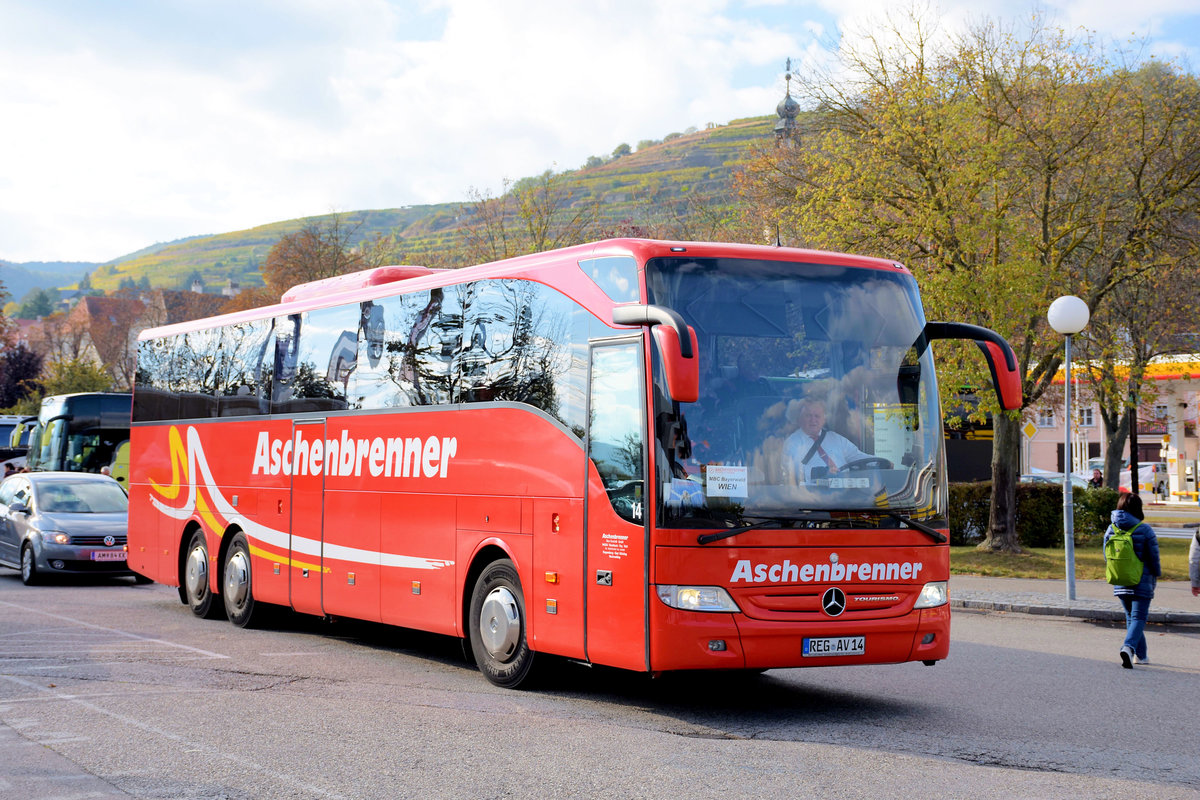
(1145, 544)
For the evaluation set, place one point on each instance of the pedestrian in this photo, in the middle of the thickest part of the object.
(1128, 516)
(1097, 479)
(1194, 564)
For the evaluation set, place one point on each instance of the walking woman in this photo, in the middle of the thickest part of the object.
(1136, 598)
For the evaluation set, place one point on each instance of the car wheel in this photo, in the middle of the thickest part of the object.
(497, 626)
(29, 570)
(238, 587)
(196, 585)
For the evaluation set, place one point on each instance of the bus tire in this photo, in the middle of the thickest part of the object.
(237, 584)
(497, 626)
(196, 586)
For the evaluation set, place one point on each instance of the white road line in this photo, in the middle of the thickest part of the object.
(193, 746)
(127, 634)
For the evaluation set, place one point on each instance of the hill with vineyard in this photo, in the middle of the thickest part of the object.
(697, 164)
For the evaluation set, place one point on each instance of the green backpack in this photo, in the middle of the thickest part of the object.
(1122, 567)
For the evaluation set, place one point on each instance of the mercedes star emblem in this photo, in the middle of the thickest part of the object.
(833, 601)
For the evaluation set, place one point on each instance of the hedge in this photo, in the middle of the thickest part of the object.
(1039, 513)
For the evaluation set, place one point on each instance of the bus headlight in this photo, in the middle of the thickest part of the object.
(697, 598)
(933, 595)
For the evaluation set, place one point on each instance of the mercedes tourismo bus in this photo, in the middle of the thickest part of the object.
(588, 453)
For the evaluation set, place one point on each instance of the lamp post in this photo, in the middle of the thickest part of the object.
(1068, 315)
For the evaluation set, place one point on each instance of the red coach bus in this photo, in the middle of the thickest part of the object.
(600, 452)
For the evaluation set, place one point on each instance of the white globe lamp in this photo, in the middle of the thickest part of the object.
(1068, 315)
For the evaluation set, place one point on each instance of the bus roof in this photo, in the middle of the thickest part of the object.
(382, 281)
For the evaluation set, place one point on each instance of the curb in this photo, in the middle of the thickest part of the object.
(1164, 616)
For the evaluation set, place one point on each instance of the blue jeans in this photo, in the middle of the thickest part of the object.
(1136, 611)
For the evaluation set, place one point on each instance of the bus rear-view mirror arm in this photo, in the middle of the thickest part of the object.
(1000, 356)
(677, 346)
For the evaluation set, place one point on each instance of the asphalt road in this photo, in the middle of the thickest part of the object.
(115, 690)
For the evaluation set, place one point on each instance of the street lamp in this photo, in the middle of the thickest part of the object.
(1068, 315)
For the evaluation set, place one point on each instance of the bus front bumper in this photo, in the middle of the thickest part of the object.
(686, 640)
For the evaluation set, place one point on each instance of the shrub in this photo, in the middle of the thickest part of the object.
(1093, 510)
(1039, 515)
(969, 504)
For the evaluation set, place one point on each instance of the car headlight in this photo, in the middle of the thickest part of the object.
(933, 595)
(56, 537)
(697, 598)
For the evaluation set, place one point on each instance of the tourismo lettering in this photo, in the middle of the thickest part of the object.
(787, 572)
(398, 457)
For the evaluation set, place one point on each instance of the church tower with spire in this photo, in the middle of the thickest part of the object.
(785, 126)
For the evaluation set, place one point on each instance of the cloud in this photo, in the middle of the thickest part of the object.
(147, 121)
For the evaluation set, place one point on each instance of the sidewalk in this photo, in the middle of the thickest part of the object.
(1173, 602)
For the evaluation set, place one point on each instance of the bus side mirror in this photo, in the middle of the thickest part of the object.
(683, 374)
(1000, 356)
(677, 345)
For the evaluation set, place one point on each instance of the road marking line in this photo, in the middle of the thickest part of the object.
(127, 634)
(174, 737)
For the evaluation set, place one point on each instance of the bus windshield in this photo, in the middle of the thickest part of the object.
(817, 396)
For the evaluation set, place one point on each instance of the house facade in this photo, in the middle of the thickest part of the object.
(1166, 429)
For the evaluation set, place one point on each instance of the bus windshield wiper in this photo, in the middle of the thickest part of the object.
(708, 538)
(932, 533)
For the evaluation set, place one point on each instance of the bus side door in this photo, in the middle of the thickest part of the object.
(308, 502)
(616, 541)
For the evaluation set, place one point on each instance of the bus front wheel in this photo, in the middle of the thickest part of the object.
(497, 626)
(196, 584)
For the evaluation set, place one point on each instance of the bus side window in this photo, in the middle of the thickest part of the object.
(244, 347)
(197, 375)
(287, 339)
(321, 356)
(155, 397)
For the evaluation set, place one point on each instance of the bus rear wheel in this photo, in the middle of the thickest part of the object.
(196, 587)
(237, 585)
(497, 626)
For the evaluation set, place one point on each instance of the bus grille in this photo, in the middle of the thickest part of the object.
(792, 603)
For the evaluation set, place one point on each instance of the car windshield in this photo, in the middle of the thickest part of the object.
(81, 497)
(817, 394)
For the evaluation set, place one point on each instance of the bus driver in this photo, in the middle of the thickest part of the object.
(813, 448)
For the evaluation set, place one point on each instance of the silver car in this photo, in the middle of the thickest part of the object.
(63, 523)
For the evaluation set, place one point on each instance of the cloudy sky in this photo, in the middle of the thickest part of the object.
(129, 122)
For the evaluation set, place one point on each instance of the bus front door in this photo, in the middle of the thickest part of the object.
(616, 541)
(307, 529)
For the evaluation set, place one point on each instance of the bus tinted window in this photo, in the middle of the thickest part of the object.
(197, 373)
(497, 340)
(315, 360)
(402, 358)
(439, 330)
(518, 347)
(248, 363)
(616, 275)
